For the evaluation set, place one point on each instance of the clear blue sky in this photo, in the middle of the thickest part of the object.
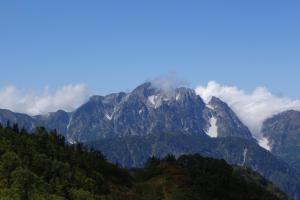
(115, 45)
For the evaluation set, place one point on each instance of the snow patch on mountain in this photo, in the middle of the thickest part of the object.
(109, 117)
(213, 129)
(152, 99)
(155, 101)
(264, 143)
(70, 121)
(209, 106)
(244, 156)
(253, 108)
(178, 97)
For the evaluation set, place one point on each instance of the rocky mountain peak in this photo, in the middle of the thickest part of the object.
(224, 121)
(217, 103)
(283, 134)
(148, 109)
(144, 90)
(282, 124)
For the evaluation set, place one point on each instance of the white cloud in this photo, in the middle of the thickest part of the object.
(168, 82)
(253, 107)
(66, 98)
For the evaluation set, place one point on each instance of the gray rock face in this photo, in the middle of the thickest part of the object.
(94, 119)
(24, 121)
(283, 134)
(56, 120)
(145, 110)
(228, 124)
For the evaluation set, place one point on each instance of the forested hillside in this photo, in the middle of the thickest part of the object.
(42, 166)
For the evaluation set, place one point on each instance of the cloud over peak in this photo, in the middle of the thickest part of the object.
(251, 107)
(67, 98)
(168, 82)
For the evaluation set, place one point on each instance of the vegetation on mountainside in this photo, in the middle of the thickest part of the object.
(42, 166)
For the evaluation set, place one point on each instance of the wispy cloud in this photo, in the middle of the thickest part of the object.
(168, 82)
(251, 107)
(67, 98)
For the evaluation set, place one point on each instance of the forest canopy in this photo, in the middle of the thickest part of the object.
(41, 165)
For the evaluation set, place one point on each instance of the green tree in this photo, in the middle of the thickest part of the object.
(9, 162)
(81, 195)
(26, 183)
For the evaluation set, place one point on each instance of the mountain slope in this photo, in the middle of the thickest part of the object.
(23, 120)
(193, 177)
(41, 166)
(143, 111)
(148, 110)
(283, 134)
(134, 151)
(56, 120)
(135, 124)
(227, 122)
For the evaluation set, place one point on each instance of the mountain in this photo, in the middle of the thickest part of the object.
(134, 151)
(148, 110)
(226, 121)
(283, 134)
(23, 120)
(42, 166)
(56, 120)
(130, 127)
(143, 111)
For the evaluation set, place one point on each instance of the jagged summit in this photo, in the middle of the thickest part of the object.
(227, 122)
(151, 120)
(146, 110)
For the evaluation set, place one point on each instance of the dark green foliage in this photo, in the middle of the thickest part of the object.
(40, 166)
(192, 177)
(135, 150)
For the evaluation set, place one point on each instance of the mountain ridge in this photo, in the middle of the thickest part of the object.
(157, 121)
(145, 110)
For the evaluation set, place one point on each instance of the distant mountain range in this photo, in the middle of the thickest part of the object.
(144, 111)
(150, 121)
